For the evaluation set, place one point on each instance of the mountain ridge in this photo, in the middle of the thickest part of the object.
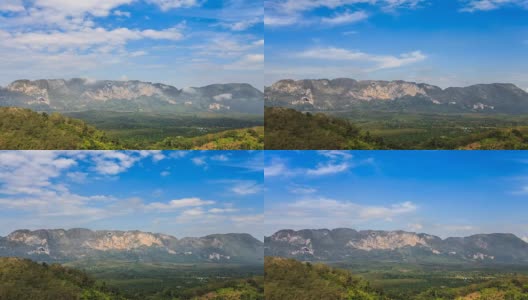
(343, 94)
(80, 243)
(345, 243)
(81, 94)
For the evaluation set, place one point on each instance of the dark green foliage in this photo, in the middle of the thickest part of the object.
(512, 288)
(290, 129)
(26, 280)
(141, 130)
(24, 129)
(238, 139)
(167, 281)
(291, 279)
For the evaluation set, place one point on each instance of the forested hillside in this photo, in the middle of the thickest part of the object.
(25, 129)
(22, 279)
(290, 129)
(291, 279)
(237, 139)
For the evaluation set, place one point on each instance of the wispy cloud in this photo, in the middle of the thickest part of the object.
(63, 38)
(378, 62)
(333, 213)
(244, 188)
(337, 162)
(281, 13)
(487, 5)
(345, 18)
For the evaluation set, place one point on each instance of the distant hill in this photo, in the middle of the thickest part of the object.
(28, 130)
(287, 278)
(291, 279)
(243, 289)
(290, 129)
(236, 139)
(22, 279)
(130, 96)
(76, 244)
(344, 94)
(399, 246)
(496, 289)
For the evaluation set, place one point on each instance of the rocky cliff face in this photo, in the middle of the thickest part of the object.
(82, 94)
(349, 244)
(345, 94)
(74, 244)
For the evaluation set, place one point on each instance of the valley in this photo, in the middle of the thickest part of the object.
(405, 265)
(404, 115)
(392, 281)
(135, 265)
(23, 129)
(140, 115)
(290, 129)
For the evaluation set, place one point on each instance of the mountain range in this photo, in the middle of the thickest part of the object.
(60, 245)
(345, 244)
(79, 94)
(344, 94)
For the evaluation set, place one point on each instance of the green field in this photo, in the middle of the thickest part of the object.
(289, 129)
(410, 281)
(162, 281)
(141, 130)
(443, 131)
(379, 280)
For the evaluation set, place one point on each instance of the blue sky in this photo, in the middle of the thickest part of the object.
(442, 42)
(447, 193)
(179, 42)
(183, 193)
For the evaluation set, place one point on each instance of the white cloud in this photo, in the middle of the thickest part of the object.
(193, 212)
(12, 6)
(303, 190)
(486, 5)
(220, 157)
(345, 18)
(222, 210)
(333, 213)
(336, 154)
(99, 8)
(223, 97)
(63, 38)
(172, 4)
(78, 177)
(379, 61)
(337, 162)
(29, 171)
(177, 204)
(244, 188)
(199, 161)
(276, 21)
(115, 162)
(248, 62)
(275, 169)
(294, 12)
(88, 37)
(329, 169)
(120, 13)
(243, 24)
(525, 239)
(165, 173)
